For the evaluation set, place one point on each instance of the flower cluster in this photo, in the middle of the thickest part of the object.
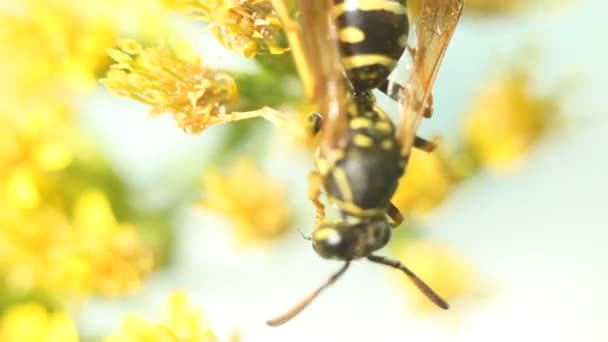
(495, 6)
(58, 231)
(54, 43)
(196, 95)
(428, 181)
(256, 206)
(247, 27)
(31, 321)
(509, 118)
(182, 324)
(446, 271)
(43, 249)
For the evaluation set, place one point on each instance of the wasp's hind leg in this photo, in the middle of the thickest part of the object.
(425, 145)
(315, 182)
(394, 90)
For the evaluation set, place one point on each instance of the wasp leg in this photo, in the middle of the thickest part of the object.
(274, 116)
(315, 182)
(395, 216)
(394, 90)
(313, 124)
(421, 285)
(425, 145)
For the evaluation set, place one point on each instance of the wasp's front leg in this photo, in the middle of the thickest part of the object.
(313, 124)
(315, 183)
(395, 216)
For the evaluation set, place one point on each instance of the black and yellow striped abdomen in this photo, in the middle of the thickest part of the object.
(362, 181)
(373, 36)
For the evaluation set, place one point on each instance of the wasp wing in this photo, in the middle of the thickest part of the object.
(434, 22)
(314, 46)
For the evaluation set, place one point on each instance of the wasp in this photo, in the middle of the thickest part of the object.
(344, 49)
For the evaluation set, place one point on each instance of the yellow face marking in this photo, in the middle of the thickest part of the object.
(384, 126)
(362, 60)
(359, 122)
(361, 140)
(342, 182)
(330, 235)
(386, 144)
(368, 5)
(352, 34)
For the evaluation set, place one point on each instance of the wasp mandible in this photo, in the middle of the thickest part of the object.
(343, 49)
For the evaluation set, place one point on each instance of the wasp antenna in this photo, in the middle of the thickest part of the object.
(421, 285)
(293, 312)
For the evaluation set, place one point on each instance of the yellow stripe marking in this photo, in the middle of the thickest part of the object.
(352, 34)
(355, 210)
(358, 123)
(384, 127)
(362, 60)
(361, 140)
(386, 144)
(368, 5)
(381, 114)
(342, 183)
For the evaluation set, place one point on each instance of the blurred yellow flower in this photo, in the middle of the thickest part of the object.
(247, 27)
(426, 183)
(182, 324)
(32, 322)
(508, 118)
(92, 254)
(52, 42)
(447, 272)
(196, 95)
(256, 205)
(495, 6)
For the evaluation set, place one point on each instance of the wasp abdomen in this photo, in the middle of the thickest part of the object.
(373, 36)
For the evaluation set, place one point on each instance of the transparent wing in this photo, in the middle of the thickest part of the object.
(315, 50)
(434, 22)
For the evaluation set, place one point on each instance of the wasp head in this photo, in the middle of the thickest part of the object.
(348, 241)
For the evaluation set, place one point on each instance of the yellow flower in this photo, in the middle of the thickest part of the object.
(196, 95)
(255, 204)
(428, 180)
(508, 119)
(448, 273)
(495, 6)
(42, 249)
(33, 322)
(53, 42)
(182, 324)
(247, 27)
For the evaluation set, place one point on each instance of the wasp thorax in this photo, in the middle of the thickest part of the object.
(347, 241)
